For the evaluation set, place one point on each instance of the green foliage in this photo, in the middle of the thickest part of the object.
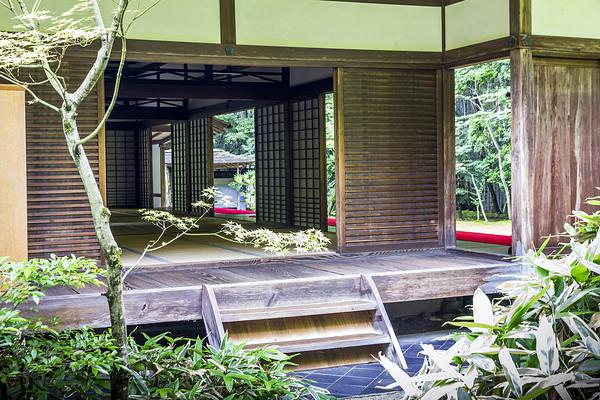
(483, 129)
(539, 340)
(245, 183)
(330, 152)
(239, 137)
(168, 368)
(21, 281)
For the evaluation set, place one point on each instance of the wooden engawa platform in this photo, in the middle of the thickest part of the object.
(175, 293)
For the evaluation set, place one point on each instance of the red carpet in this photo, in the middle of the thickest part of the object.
(231, 211)
(331, 221)
(501, 240)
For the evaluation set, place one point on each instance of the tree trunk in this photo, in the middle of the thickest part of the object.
(501, 171)
(110, 250)
(479, 199)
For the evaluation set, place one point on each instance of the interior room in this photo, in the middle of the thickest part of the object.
(258, 135)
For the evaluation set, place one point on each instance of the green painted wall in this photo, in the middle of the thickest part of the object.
(170, 20)
(571, 18)
(476, 21)
(330, 24)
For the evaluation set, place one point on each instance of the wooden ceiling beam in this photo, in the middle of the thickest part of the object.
(198, 90)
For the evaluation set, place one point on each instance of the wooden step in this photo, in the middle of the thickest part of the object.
(300, 310)
(327, 343)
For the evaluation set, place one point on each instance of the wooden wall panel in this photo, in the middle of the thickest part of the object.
(13, 173)
(309, 185)
(59, 216)
(387, 158)
(563, 146)
(272, 182)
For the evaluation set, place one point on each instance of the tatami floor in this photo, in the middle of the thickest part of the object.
(133, 235)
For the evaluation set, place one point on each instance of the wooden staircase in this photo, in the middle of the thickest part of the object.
(327, 321)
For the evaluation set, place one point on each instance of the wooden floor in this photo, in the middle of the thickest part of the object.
(174, 293)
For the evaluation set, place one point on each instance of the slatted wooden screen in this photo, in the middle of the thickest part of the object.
(272, 155)
(144, 168)
(201, 175)
(179, 153)
(308, 163)
(121, 176)
(59, 217)
(387, 159)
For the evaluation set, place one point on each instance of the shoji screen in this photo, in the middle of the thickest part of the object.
(308, 163)
(121, 169)
(201, 176)
(179, 131)
(144, 169)
(272, 182)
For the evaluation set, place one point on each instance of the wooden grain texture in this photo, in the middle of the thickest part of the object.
(227, 20)
(59, 216)
(387, 159)
(564, 167)
(448, 164)
(522, 146)
(13, 173)
(153, 296)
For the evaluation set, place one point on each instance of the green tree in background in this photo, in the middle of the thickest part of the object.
(330, 146)
(483, 131)
(239, 137)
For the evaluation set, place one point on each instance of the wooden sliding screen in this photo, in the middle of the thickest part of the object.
(59, 217)
(272, 158)
(556, 144)
(121, 168)
(144, 168)
(192, 162)
(388, 139)
(201, 155)
(308, 163)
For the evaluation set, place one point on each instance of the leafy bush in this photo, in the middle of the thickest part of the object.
(539, 340)
(37, 362)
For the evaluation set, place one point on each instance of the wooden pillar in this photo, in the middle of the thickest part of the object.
(522, 145)
(447, 158)
(13, 173)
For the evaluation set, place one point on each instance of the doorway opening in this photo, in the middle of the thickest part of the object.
(258, 135)
(483, 157)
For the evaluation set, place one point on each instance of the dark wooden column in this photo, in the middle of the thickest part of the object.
(447, 158)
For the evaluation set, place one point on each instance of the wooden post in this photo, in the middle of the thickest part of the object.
(522, 145)
(340, 175)
(13, 173)
(102, 141)
(447, 160)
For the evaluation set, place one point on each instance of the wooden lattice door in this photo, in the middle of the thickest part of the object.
(192, 162)
(309, 180)
(272, 165)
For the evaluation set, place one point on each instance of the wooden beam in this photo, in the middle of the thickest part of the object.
(422, 3)
(227, 20)
(312, 89)
(150, 113)
(246, 55)
(477, 53)
(13, 173)
(226, 108)
(562, 47)
(340, 157)
(521, 83)
(199, 90)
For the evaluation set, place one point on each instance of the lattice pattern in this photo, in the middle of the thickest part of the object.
(179, 153)
(143, 168)
(121, 177)
(307, 149)
(200, 164)
(271, 151)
